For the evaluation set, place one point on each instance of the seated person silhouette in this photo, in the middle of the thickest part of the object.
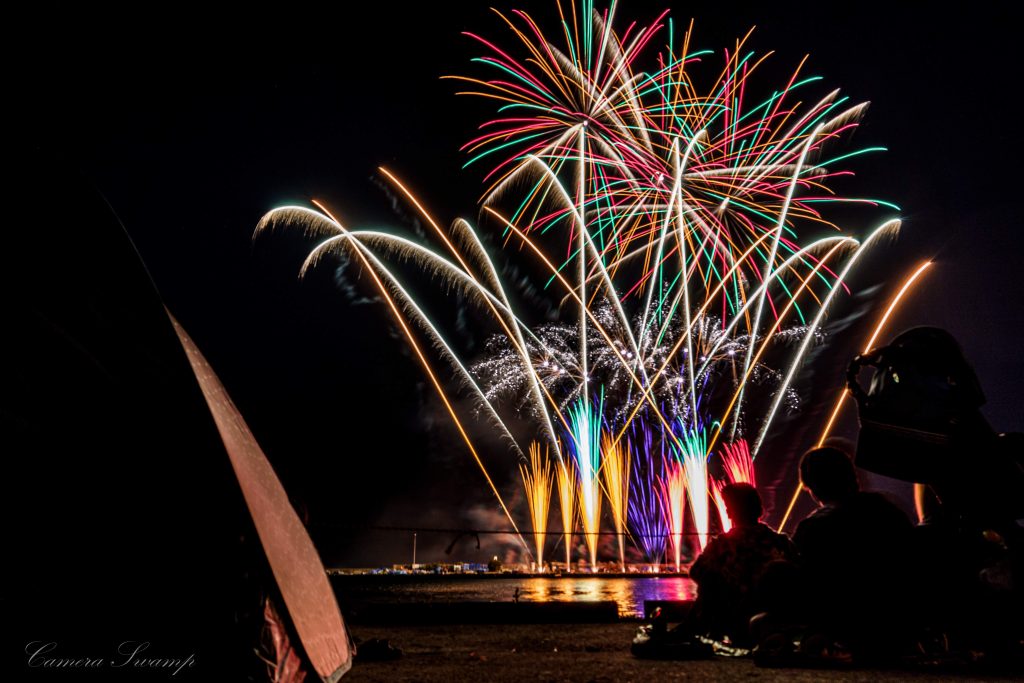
(921, 421)
(727, 573)
(856, 553)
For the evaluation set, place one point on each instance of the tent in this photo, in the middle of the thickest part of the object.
(124, 522)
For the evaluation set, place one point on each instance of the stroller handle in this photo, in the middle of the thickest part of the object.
(871, 358)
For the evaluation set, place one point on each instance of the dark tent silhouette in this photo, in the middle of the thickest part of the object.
(122, 518)
(293, 559)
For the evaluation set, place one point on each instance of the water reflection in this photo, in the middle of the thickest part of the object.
(628, 593)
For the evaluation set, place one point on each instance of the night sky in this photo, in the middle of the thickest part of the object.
(190, 126)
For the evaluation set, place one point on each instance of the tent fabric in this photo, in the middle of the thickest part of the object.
(296, 565)
(122, 517)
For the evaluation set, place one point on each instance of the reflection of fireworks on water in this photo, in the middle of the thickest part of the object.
(665, 220)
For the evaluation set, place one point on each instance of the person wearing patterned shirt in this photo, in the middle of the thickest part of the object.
(727, 573)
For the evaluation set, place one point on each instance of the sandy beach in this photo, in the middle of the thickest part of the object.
(577, 652)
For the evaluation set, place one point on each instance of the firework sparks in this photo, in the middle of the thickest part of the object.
(737, 463)
(738, 467)
(716, 487)
(667, 216)
(537, 483)
(907, 286)
(695, 468)
(673, 493)
(647, 515)
(584, 444)
(615, 466)
(566, 479)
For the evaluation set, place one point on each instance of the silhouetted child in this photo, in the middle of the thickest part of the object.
(857, 557)
(727, 573)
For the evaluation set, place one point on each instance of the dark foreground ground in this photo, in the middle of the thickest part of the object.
(577, 652)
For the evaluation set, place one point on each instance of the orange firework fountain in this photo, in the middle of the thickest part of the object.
(537, 481)
(615, 467)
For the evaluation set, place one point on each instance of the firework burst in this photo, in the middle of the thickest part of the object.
(616, 470)
(537, 481)
(666, 218)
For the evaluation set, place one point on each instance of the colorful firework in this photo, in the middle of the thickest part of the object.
(566, 479)
(668, 219)
(584, 445)
(647, 516)
(537, 481)
(737, 467)
(737, 463)
(906, 287)
(615, 467)
(716, 486)
(673, 494)
(694, 456)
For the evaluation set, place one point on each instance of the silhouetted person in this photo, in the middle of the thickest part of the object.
(975, 576)
(921, 422)
(728, 571)
(856, 552)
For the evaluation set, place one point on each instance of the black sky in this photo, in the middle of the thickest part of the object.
(190, 125)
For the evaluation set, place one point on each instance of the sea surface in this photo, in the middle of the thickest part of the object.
(628, 592)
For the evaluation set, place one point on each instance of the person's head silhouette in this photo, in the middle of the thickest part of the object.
(742, 504)
(828, 474)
